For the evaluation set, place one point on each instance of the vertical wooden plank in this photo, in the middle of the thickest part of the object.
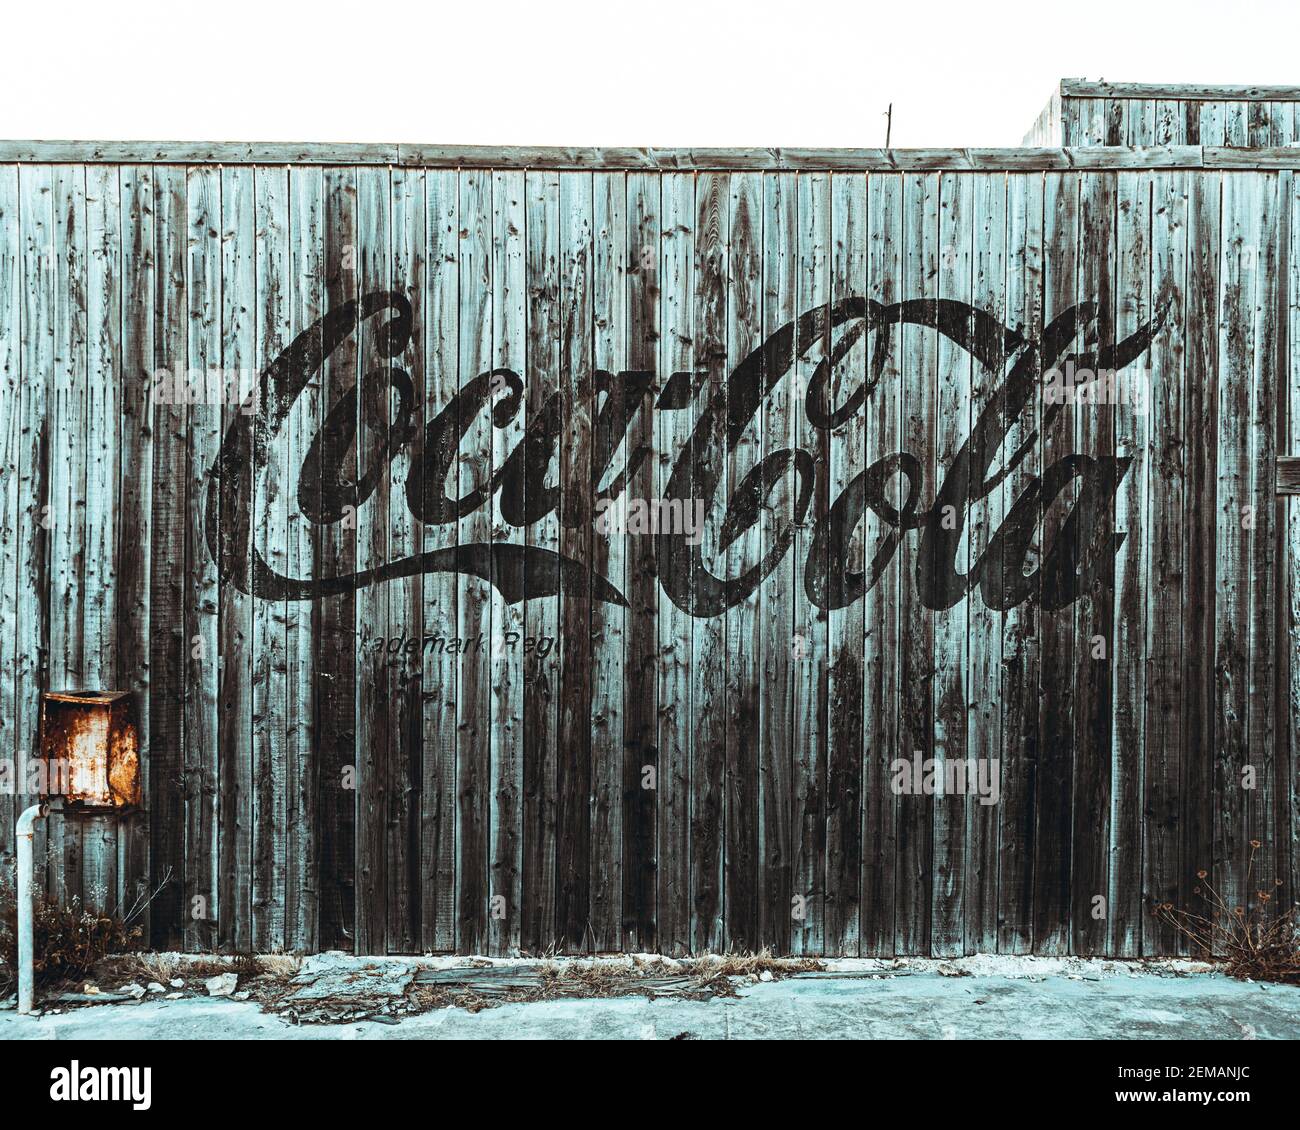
(881, 659)
(303, 845)
(916, 722)
(1170, 124)
(408, 209)
(68, 453)
(440, 603)
(1168, 445)
(1142, 117)
(101, 881)
(168, 652)
(675, 740)
(810, 629)
(709, 708)
(741, 860)
(1200, 520)
(1239, 259)
(1261, 800)
(951, 691)
(334, 673)
(641, 705)
(1019, 683)
(1211, 120)
(509, 348)
(135, 504)
(846, 626)
(441, 665)
(541, 616)
(11, 440)
(103, 388)
(69, 438)
(272, 283)
(473, 705)
(1281, 125)
(573, 779)
(1133, 569)
(1284, 124)
(985, 742)
(1054, 787)
(36, 346)
(1117, 121)
(202, 666)
(1259, 123)
(608, 558)
(250, 635)
(1094, 655)
(1288, 728)
(374, 624)
(776, 835)
(1236, 123)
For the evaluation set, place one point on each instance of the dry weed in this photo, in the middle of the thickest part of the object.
(1256, 941)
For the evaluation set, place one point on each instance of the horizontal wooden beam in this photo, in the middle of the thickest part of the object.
(667, 160)
(194, 153)
(792, 159)
(1232, 157)
(1288, 474)
(1180, 92)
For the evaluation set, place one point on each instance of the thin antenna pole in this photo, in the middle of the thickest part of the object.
(889, 123)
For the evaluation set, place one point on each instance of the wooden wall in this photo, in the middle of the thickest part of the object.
(1098, 113)
(308, 790)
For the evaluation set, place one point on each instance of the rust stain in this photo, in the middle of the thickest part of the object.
(92, 738)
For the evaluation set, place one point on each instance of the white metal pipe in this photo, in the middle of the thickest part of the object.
(26, 971)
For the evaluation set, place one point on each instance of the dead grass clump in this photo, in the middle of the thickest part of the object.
(163, 967)
(144, 967)
(279, 964)
(201, 968)
(1255, 942)
(247, 965)
(752, 965)
(426, 998)
(69, 941)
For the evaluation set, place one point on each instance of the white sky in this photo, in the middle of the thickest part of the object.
(574, 72)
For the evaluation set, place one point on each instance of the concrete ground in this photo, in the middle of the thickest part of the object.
(988, 998)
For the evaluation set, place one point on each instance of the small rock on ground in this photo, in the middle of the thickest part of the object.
(223, 985)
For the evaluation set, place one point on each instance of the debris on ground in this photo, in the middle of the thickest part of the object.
(335, 987)
(222, 985)
(329, 991)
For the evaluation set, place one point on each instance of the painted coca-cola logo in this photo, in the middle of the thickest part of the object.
(1070, 565)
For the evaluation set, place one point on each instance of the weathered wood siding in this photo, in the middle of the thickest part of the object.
(702, 764)
(1083, 113)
